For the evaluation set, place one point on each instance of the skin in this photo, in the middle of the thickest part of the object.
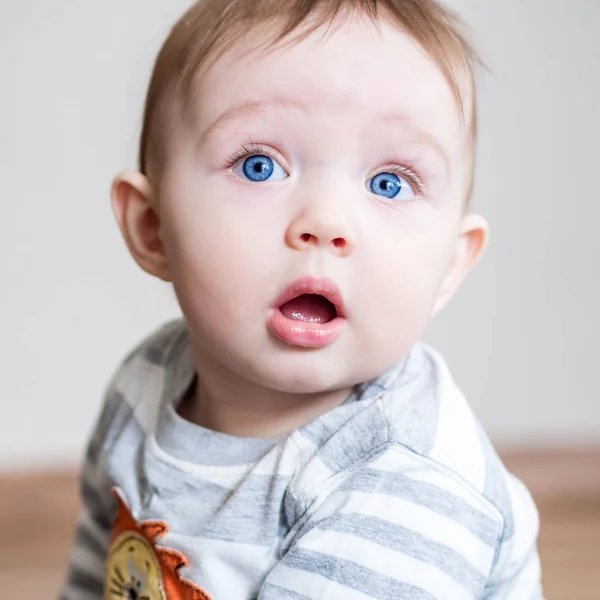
(334, 111)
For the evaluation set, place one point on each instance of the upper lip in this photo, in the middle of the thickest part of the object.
(312, 285)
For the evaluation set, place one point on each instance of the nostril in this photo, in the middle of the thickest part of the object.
(305, 237)
(339, 242)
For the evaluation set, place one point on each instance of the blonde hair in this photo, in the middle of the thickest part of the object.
(211, 27)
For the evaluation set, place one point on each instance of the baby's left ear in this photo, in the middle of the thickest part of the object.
(472, 240)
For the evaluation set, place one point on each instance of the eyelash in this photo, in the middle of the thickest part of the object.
(250, 150)
(407, 170)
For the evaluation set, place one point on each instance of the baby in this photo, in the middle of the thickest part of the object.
(305, 173)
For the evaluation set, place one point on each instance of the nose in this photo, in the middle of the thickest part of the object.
(321, 225)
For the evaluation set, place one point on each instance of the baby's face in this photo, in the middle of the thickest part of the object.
(339, 164)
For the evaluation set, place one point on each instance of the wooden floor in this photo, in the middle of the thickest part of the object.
(37, 520)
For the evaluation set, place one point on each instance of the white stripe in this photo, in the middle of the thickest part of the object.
(386, 562)
(426, 522)
(461, 453)
(312, 585)
(226, 475)
(526, 521)
(236, 570)
(282, 460)
(306, 446)
(418, 468)
(519, 552)
(316, 473)
(527, 585)
(316, 476)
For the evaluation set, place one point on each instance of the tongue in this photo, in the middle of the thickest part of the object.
(309, 307)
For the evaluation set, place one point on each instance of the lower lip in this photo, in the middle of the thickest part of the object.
(304, 334)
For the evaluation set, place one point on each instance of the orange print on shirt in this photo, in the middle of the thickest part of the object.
(137, 569)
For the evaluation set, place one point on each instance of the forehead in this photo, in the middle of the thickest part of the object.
(358, 72)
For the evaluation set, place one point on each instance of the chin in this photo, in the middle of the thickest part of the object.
(305, 373)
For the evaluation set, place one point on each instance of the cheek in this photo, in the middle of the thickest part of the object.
(405, 283)
(218, 255)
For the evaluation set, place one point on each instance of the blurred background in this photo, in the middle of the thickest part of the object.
(521, 337)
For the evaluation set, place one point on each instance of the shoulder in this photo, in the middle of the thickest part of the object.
(155, 349)
(136, 390)
(435, 421)
(145, 371)
(399, 504)
(413, 418)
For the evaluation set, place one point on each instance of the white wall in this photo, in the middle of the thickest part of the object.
(522, 337)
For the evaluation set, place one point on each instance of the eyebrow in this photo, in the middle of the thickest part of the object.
(419, 134)
(249, 107)
(257, 107)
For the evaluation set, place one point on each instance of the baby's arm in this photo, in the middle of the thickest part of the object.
(517, 573)
(85, 578)
(396, 527)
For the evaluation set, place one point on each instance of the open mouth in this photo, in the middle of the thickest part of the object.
(309, 308)
(310, 313)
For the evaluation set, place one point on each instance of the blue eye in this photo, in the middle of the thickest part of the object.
(392, 186)
(259, 168)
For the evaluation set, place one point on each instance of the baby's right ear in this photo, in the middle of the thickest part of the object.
(136, 211)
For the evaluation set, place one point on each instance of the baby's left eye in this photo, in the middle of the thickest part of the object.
(392, 186)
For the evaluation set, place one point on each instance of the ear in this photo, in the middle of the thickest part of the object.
(135, 209)
(472, 240)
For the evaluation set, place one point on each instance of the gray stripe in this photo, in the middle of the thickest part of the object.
(295, 509)
(157, 347)
(412, 409)
(411, 544)
(356, 440)
(428, 495)
(195, 498)
(87, 540)
(354, 576)
(252, 514)
(84, 581)
(406, 415)
(193, 443)
(96, 504)
(274, 592)
(114, 417)
(320, 431)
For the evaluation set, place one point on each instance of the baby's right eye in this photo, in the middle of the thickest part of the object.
(259, 168)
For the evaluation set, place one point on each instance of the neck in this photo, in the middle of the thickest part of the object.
(224, 401)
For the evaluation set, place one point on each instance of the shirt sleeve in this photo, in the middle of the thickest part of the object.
(398, 527)
(85, 576)
(86, 571)
(517, 572)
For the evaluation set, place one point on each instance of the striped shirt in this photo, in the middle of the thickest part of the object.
(396, 494)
